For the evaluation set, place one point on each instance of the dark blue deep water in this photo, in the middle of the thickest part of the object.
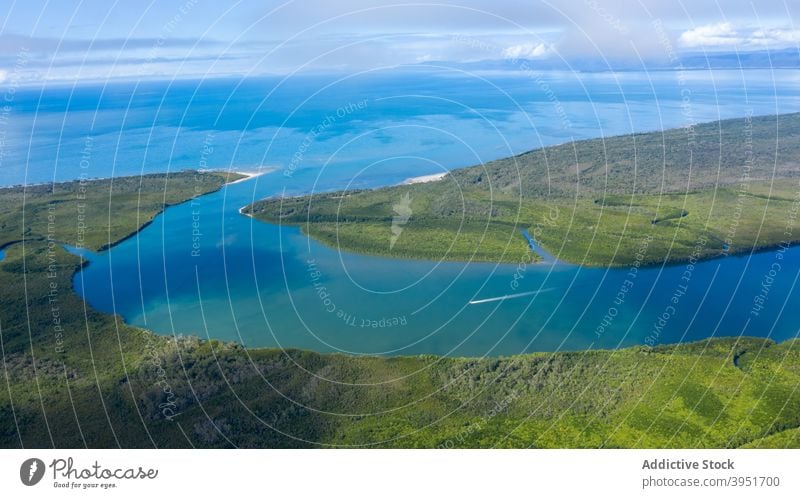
(264, 285)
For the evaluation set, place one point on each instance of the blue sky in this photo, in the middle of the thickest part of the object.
(102, 39)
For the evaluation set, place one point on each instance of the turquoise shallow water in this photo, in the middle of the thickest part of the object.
(375, 127)
(265, 285)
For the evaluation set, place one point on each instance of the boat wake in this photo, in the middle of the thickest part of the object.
(509, 296)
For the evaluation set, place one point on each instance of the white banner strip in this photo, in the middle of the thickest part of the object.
(401, 473)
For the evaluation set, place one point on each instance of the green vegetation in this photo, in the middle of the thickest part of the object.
(96, 213)
(75, 377)
(58, 354)
(730, 186)
(363, 221)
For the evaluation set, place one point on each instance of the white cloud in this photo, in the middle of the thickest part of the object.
(726, 35)
(770, 37)
(710, 35)
(526, 50)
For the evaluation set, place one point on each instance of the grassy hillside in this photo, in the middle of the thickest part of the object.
(73, 377)
(723, 187)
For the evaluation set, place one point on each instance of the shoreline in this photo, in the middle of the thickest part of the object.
(248, 175)
(263, 348)
(435, 177)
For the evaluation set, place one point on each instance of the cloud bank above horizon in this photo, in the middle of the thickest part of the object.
(95, 40)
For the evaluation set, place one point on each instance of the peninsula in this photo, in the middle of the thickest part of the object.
(708, 190)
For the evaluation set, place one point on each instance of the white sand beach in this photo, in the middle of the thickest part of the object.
(425, 178)
(252, 174)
